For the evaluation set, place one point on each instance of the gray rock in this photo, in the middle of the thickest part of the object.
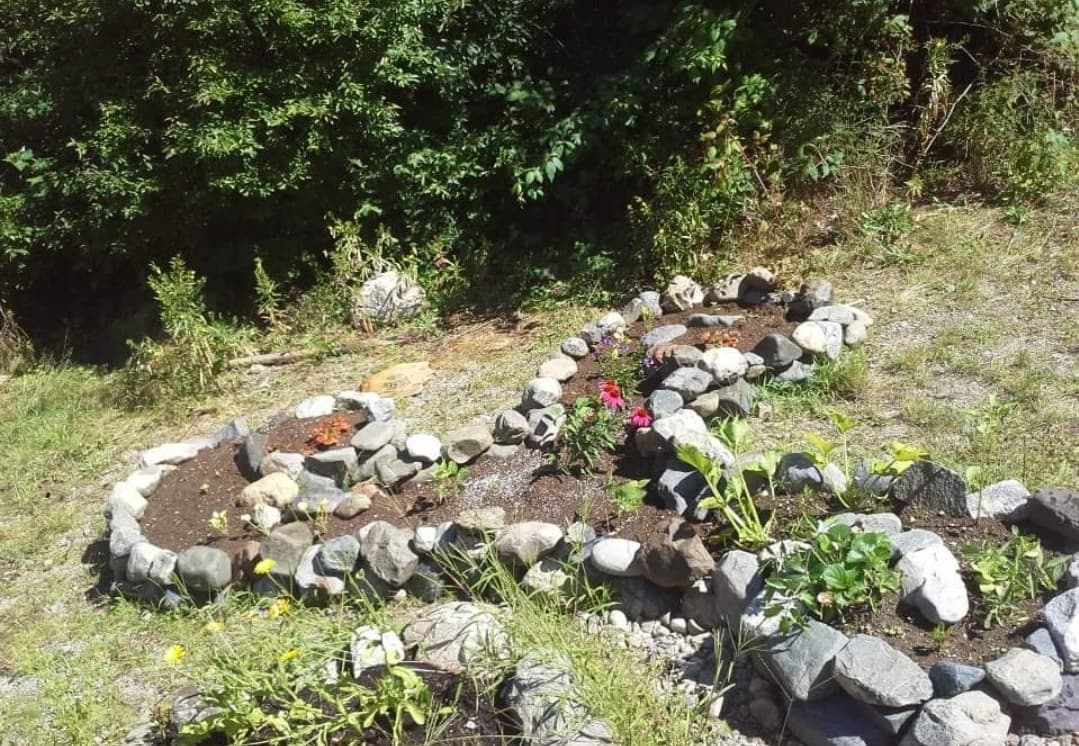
(677, 425)
(662, 335)
(386, 554)
(375, 407)
(541, 392)
(663, 402)
(841, 314)
(798, 473)
(341, 464)
(546, 576)
(285, 546)
(204, 569)
(682, 294)
(574, 347)
(169, 453)
(612, 323)
(511, 427)
(147, 562)
(232, 431)
(387, 298)
(950, 679)
(1062, 620)
(276, 489)
(651, 303)
(1056, 509)
(1058, 718)
(502, 452)
(423, 447)
(833, 338)
(1041, 642)
(1025, 678)
(640, 600)
(727, 290)
(315, 406)
(872, 671)
(427, 583)
(592, 334)
(372, 648)
(373, 436)
(312, 583)
(870, 483)
(480, 521)
(616, 557)
(801, 661)
(147, 479)
(314, 490)
(735, 400)
(809, 335)
(120, 519)
(796, 372)
(883, 523)
(854, 334)
(1007, 500)
(689, 383)
(684, 356)
(1071, 573)
(392, 472)
(777, 351)
(968, 719)
(465, 444)
(524, 543)
(124, 498)
(932, 584)
(455, 635)
(736, 579)
(681, 487)
(934, 486)
(725, 364)
(708, 320)
(281, 462)
(700, 605)
(835, 721)
(337, 556)
(545, 425)
(674, 555)
(561, 368)
(906, 542)
(541, 699)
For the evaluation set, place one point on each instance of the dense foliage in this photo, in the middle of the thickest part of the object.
(537, 138)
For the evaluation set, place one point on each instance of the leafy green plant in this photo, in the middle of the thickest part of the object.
(449, 476)
(841, 571)
(730, 495)
(590, 430)
(898, 458)
(15, 348)
(1010, 573)
(399, 697)
(267, 295)
(628, 495)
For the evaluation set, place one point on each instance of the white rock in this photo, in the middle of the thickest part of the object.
(616, 557)
(682, 294)
(854, 334)
(386, 298)
(1008, 500)
(425, 539)
(283, 462)
(265, 517)
(726, 364)
(277, 489)
(841, 314)
(541, 392)
(679, 423)
(127, 498)
(612, 323)
(315, 406)
(526, 542)
(147, 479)
(932, 584)
(424, 447)
(372, 647)
(376, 408)
(169, 453)
(618, 620)
(561, 368)
(810, 337)
(574, 347)
(1062, 619)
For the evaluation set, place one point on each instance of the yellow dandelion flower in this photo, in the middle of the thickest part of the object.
(212, 627)
(288, 655)
(280, 607)
(173, 654)
(264, 566)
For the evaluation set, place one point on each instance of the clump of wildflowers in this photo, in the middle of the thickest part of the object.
(610, 393)
(639, 417)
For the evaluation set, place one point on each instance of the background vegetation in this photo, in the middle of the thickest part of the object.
(493, 149)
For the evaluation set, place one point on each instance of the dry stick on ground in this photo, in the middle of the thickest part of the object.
(272, 358)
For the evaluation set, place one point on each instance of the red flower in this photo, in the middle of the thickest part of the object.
(639, 417)
(610, 393)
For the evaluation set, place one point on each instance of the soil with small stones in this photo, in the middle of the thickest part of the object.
(529, 488)
(469, 715)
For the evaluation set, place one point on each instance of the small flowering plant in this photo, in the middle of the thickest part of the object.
(327, 433)
(639, 417)
(610, 394)
(593, 427)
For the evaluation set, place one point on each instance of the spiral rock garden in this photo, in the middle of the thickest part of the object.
(884, 601)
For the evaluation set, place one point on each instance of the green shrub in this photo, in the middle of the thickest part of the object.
(196, 346)
(590, 430)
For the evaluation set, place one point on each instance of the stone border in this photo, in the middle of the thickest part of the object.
(838, 685)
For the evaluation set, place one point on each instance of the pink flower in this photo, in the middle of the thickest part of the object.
(610, 393)
(639, 417)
